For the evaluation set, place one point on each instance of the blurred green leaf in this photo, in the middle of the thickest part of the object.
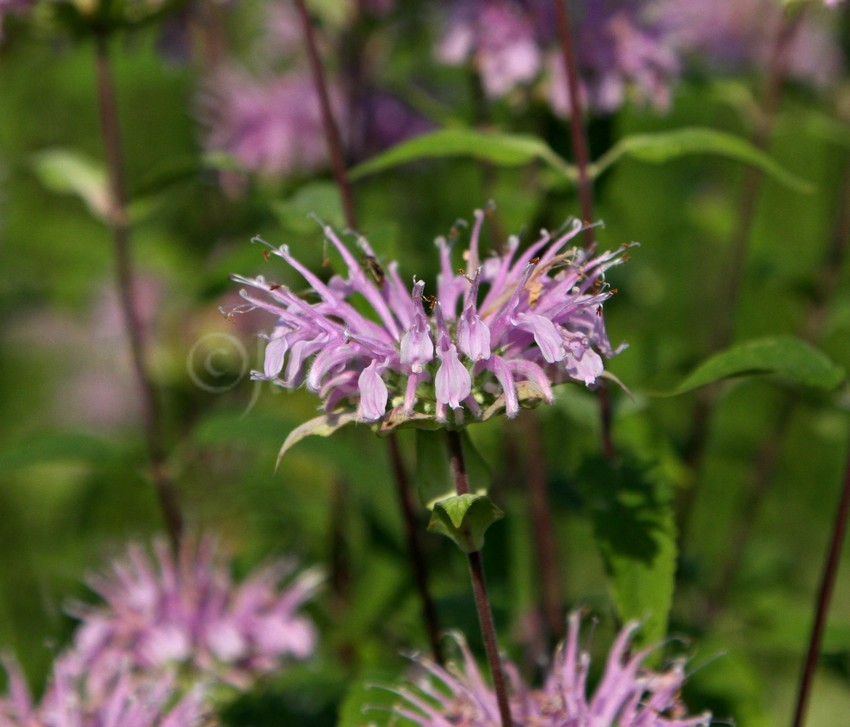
(433, 476)
(317, 198)
(322, 426)
(369, 702)
(663, 146)
(58, 447)
(69, 172)
(784, 355)
(464, 519)
(508, 150)
(631, 506)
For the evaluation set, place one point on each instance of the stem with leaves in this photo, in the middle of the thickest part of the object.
(120, 227)
(400, 477)
(457, 465)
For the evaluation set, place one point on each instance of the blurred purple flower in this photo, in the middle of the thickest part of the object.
(498, 36)
(628, 694)
(505, 328)
(622, 49)
(736, 35)
(270, 126)
(622, 52)
(68, 701)
(162, 613)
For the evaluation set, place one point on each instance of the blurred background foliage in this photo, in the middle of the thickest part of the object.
(72, 461)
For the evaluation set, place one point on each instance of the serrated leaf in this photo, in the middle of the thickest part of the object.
(508, 150)
(69, 172)
(784, 355)
(663, 146)
(433, 476)
(464, 519)
(322, 426)
(631, 506)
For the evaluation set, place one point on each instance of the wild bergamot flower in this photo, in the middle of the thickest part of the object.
(501, 330)
(185, 611)
(627, 695)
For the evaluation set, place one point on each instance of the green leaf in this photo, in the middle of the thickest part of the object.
(60, 447)
(631, 505)
(369, 702)
(784, 355)
(316, 198)
(322, 426)
(69, 172)
(660, 147)
(507, 150)
(464, 519)
(434, 478)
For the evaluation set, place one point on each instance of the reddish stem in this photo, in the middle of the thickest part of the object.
(457, 466)
(827, 585)
(120, 228)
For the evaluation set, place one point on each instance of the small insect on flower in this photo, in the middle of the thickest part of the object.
(497, 333)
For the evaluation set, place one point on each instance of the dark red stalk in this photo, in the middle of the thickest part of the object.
(125, 278)
(328, 123)
(543, 529)
(400, 477)
(827, 585)
(457, 465)
(585, 184)
(577, 132)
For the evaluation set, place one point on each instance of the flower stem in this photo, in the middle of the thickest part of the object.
(830, 572)
(414, 551)
(331, 130)
(543, 529)
(120, 228)
(585, 184)
(457, 466)
(402, 481)
(577, 132)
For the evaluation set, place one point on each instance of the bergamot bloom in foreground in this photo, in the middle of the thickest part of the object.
(627, 695)
(68, 702)
(501, 330)
(186, 612)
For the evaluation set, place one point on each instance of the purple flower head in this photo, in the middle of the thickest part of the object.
(740, 35)
(164, 612)
(504, 329)
(498, 37)
(622, 52)
(69, 702)
(628, 694)
(622, 49)
(269, 126)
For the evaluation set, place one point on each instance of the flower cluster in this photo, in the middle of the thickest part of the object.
(505, 328)
(628, 694)
(741, 35)
(68, 701)
(270, 121)
(167, 612)
(622, 50)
